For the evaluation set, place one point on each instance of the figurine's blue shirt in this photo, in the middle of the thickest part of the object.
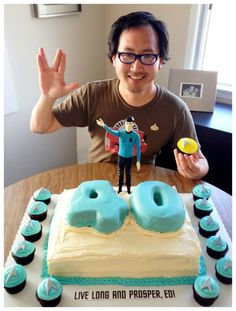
(127, 140)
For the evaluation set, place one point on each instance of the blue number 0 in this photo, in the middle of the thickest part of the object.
(157, 206)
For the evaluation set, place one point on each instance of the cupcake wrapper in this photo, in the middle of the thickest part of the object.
(205, 302)
(223, 279)
(207, 234)
(24, 260)
(216, 255)
(34, 237)
(48, 303)
(40, 217)
(15, 289)
(200, 213)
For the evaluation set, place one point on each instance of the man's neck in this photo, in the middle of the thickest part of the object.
(138, 99)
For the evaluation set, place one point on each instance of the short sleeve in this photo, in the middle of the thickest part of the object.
(73, 111)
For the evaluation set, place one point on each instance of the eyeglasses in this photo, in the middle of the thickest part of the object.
(130, 58)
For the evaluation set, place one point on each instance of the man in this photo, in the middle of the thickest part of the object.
(138, 48)
(127, 140)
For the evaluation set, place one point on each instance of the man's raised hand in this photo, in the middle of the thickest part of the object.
(51, 79)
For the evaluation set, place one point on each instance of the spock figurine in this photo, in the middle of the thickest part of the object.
(127, 139)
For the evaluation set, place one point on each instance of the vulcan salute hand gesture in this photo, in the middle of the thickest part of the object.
(52, 87)
(51, 79)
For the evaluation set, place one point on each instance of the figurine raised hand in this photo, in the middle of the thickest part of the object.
(100, 122)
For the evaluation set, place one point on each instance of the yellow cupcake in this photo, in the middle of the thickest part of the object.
(187, 145)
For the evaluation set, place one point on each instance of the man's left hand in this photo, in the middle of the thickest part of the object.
(193, 166)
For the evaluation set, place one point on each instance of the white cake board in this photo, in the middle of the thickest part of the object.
(119, 296)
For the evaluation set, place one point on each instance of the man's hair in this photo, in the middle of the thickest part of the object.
(130, 119)
(134, 20)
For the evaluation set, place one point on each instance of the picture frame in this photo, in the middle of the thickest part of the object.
(54, 10)
(197, 88)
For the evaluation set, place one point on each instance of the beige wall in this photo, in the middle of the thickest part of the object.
(82, 38)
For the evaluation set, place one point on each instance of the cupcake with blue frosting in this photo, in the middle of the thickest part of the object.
(201, 192)
(205, 290)
(202, 207)
(42, 195)
(14, 278)
(23, 252)
(31, 230)
(37, 210)
(216, 247)
(223, 270)
(208, 226)
(49, 292)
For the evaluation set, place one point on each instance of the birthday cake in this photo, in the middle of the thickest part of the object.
(99, 237)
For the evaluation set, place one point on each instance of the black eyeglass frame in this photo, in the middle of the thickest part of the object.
(139, 56)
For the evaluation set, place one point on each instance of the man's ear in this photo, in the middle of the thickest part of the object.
(161, 63)
(114, 60)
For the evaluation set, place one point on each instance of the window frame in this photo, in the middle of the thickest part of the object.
(197, 38)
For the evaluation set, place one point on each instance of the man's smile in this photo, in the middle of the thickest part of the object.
(136, 77)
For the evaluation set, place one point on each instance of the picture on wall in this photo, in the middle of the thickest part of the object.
(53, 10)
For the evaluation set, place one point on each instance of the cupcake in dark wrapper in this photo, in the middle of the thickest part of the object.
(14, 278)
(31, 230)
(208, 226)
(216, 247)
(201, 192)
(49, 292)
(23, 252)
(37, 211)
(205, 290)
(42, 195)
(202, 207)
(223, 269)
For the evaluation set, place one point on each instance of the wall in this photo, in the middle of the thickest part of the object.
(81, 36)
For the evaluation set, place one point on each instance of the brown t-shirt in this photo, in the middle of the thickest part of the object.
(164, 120)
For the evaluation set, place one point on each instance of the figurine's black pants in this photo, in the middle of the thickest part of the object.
(124, 164)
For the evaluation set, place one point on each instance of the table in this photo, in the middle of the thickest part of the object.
(16, 196)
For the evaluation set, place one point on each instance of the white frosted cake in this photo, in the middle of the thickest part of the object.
(136, 236)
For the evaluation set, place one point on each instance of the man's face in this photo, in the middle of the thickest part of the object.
(136, 77)
(191, 89)
(129, 126)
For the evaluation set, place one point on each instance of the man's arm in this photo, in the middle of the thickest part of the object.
(52, 87)
(42, 118)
